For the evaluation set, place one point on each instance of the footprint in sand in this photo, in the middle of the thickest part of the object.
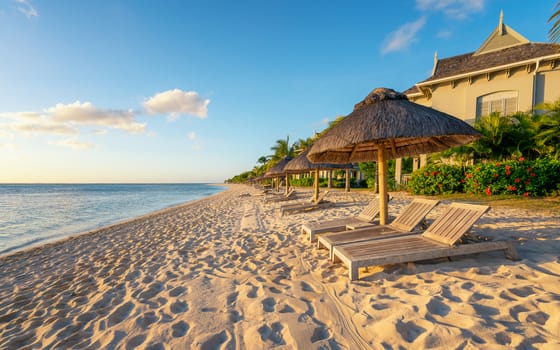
(272, 333)
(86, 317)
(120, 314)
(306, 287)
(503, 338)
(286, 309)
(320, 333)
(234, 316)
(179, 307)
(479, 296)
(253, 292)
(268, 304)
(147, 319)
(180, 329)
(436, 307)
(153, 290)
(522, 292)
(380, 306)
(215, 341)
(156, 346)
(538, 317)
(232, 298)
(135, 342)
(409, 331)
(485, 311)
(175, 292)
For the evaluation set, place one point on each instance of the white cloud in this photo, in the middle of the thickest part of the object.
(403, 37)
(177, 102)
(43, 127)
(27, 8)
(72, 143)
(67, 120)
(444, 34)
(86, 114)
(459, 9)
(191, 136)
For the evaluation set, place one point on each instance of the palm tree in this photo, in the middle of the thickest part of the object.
(554, 32)
(302, 144)
(282, 149)
(548, 134)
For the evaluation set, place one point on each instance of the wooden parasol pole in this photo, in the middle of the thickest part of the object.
(347, 180)
(382, 183)
(316, 186)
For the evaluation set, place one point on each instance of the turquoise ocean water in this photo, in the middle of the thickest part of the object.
(37, 214)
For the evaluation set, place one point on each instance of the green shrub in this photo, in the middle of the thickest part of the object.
(436, 179)
(303, 182)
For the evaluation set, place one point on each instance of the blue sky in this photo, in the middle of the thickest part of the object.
(197, 91)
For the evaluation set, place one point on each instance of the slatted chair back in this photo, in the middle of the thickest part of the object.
(370, 211)
(413, 214)
(454, 222)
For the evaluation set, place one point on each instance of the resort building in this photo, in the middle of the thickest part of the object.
(506, 74)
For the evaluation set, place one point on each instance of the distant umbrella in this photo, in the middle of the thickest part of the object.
(302, 164)
(277, 170)
(386, 125)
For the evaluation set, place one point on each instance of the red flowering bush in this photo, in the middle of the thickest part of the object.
(520, 177)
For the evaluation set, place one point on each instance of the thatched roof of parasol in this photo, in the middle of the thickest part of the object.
(386, 118)
(278, 168)
(302, 164)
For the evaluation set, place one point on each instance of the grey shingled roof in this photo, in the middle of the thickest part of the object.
(466, 63)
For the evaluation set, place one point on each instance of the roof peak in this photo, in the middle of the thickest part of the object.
(501, 37)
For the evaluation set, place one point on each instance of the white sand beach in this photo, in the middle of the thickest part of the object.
(227, 272)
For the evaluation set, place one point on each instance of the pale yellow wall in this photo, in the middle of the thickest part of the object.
(551, 85)
(459, 99)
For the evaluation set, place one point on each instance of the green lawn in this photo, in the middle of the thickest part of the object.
(545, 204)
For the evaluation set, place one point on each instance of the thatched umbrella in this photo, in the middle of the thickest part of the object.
(386, 125)
(277, 170)
(302, 164)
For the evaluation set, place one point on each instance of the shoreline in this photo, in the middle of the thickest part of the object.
(51, 241)
(227, 272)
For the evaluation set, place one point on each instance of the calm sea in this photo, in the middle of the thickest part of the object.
(36, 214)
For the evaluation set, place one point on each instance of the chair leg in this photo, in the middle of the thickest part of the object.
(511, 252)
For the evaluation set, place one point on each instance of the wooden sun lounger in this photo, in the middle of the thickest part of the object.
(404, 224)
(280, 198)
(366, 217)
(436, 242)
(321, 203)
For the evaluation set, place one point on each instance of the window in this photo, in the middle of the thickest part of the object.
(504, 102)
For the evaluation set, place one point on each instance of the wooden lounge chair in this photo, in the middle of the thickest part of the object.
(365, 218)
(404, 224)
(321, 203)
(436, 242)
(280, 198)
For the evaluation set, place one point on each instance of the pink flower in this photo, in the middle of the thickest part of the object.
(496, 175)
(521, 159)
(488, 191)
(517, 180)
(526, 194)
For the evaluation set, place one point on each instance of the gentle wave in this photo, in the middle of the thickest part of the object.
(35, 214)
